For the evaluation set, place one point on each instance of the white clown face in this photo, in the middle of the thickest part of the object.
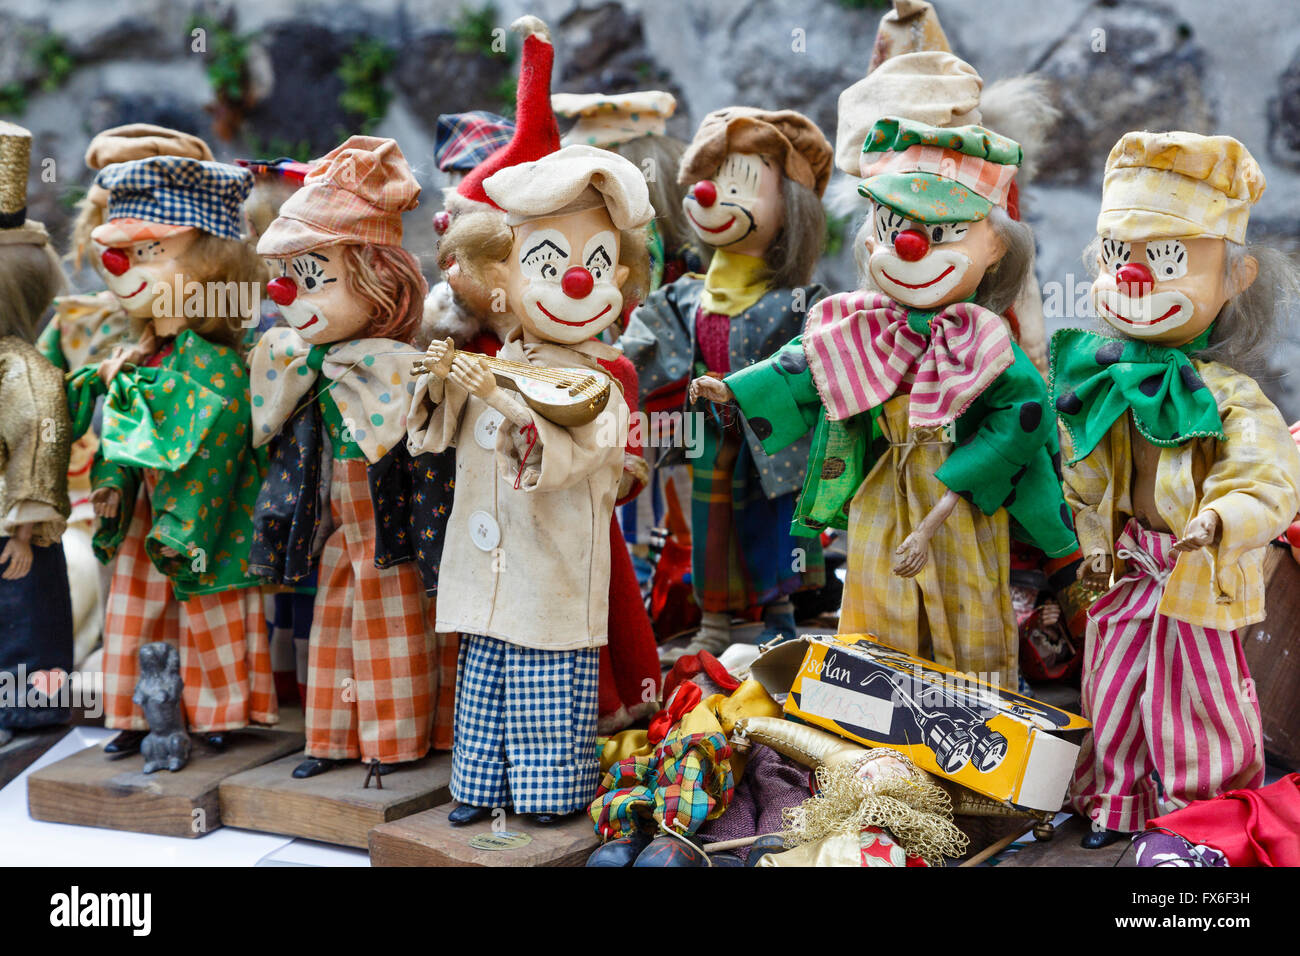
(929, 265)
(139, 273)
(740, 209)
(312, 294)
(563, 276)
(1165, 291)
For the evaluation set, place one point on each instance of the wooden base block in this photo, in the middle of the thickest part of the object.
(427, 839)
(332, 807)
(88, 789)
(1064, 850)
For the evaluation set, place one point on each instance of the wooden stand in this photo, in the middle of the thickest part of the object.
(25, 749)
(88, 789)
(427, 839)
(333, 807)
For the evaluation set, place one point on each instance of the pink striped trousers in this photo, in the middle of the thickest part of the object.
(1170, 703)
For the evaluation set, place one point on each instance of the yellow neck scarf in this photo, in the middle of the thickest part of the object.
(733, 283)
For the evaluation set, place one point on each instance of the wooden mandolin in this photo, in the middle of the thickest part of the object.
(565, 396)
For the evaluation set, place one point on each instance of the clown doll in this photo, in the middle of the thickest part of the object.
(758, 177)
(175, 478)
(525, 574)
(353, 504)
(1180, 472)
(35, 436)
(932, 437)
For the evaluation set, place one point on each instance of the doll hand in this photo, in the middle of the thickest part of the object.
(470, 374)
(1050, 614)
(912, 554)
(105, 501)
(438, 357)
(713, 389)
(124, 355)
(1094, 572)
(1202, 531)
(17, 554)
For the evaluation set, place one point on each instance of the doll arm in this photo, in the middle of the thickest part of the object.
(50, 344)
(1253, 486)
(34, 447)
(84, 388)
(912, 555)
(777, 397)
(1015, 423)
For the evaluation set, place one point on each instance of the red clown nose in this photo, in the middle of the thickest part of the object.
(705, 193)
(116, 261)
(911, 245)
(1134, 280)
(577, 283)
(282, 290)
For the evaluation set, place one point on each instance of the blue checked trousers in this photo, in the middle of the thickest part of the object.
(525, 729)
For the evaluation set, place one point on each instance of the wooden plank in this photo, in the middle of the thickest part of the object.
(89, 789)
(427, 839)
(333, 807)
(25, 749)
(1064, 850)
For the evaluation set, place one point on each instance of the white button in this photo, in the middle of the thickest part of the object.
(484, 531)
(485, 429)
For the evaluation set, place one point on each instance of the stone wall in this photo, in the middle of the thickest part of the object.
(1201, 65)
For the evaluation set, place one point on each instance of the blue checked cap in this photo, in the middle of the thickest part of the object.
(463, 140)
(178, 191)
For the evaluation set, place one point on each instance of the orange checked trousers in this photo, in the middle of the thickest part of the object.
(225, 660)
(381, 682)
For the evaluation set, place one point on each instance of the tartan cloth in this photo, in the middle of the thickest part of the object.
(957, 611)
(525, 727)
(742, 553)
(862, 348)
(178, 191)
(1171, 704)
(222, 639)
(684, 782)
(1251, 479)
(355, 193)
(463, 140)
(371, 661)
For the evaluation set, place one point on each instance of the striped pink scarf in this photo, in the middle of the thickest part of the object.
(861, 353)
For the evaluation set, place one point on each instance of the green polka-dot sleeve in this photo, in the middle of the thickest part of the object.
(777, 397)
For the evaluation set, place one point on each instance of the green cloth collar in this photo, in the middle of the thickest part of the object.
(1095, 379)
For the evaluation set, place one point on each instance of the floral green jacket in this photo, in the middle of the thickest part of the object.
(995, 463)
(188, 418)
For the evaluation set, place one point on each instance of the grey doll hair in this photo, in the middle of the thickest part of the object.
(1248, 322)
(793, 256)
(1001, 284)
(30, 278)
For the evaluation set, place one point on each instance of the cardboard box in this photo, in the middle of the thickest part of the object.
(994, 741)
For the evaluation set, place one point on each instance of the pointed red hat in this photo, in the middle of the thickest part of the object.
(536, 131)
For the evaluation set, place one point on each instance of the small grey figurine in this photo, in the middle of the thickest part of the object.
(158, 694)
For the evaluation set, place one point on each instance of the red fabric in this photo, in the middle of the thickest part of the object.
(690, 665)
(687, 697)
(1250, 827)
(536, 131)
(713, 332)
(485, 343)
(631, 658)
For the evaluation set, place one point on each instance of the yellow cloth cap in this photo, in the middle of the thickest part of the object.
(1178, 185)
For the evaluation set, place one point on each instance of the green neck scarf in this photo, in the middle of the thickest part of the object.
(1096, 379)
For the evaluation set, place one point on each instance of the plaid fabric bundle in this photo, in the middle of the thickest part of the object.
(178, 191)
(686, 781)
(463, 140)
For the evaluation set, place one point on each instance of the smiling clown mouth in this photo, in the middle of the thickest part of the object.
(309, 323)
(723, 228)
(919, 285)
(137, 291)
(1173, 310)
(583, 322)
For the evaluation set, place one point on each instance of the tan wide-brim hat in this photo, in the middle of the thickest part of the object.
(791, 138)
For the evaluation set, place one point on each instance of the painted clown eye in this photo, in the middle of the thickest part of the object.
(1114, 254)
(1167, 259)
(947, 231)
(888, 224)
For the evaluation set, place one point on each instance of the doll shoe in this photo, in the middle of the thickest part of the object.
(620, 852)
(726, 858)
(551, 819)
(6, 735)
(463, 814)
(314, 767)
(1096, 839)
(778, 627)
(127, 742)
(770, 843)
(670, 851)
(218, 741)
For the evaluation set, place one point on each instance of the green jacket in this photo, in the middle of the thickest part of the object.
(997, 461)
(188, 418)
